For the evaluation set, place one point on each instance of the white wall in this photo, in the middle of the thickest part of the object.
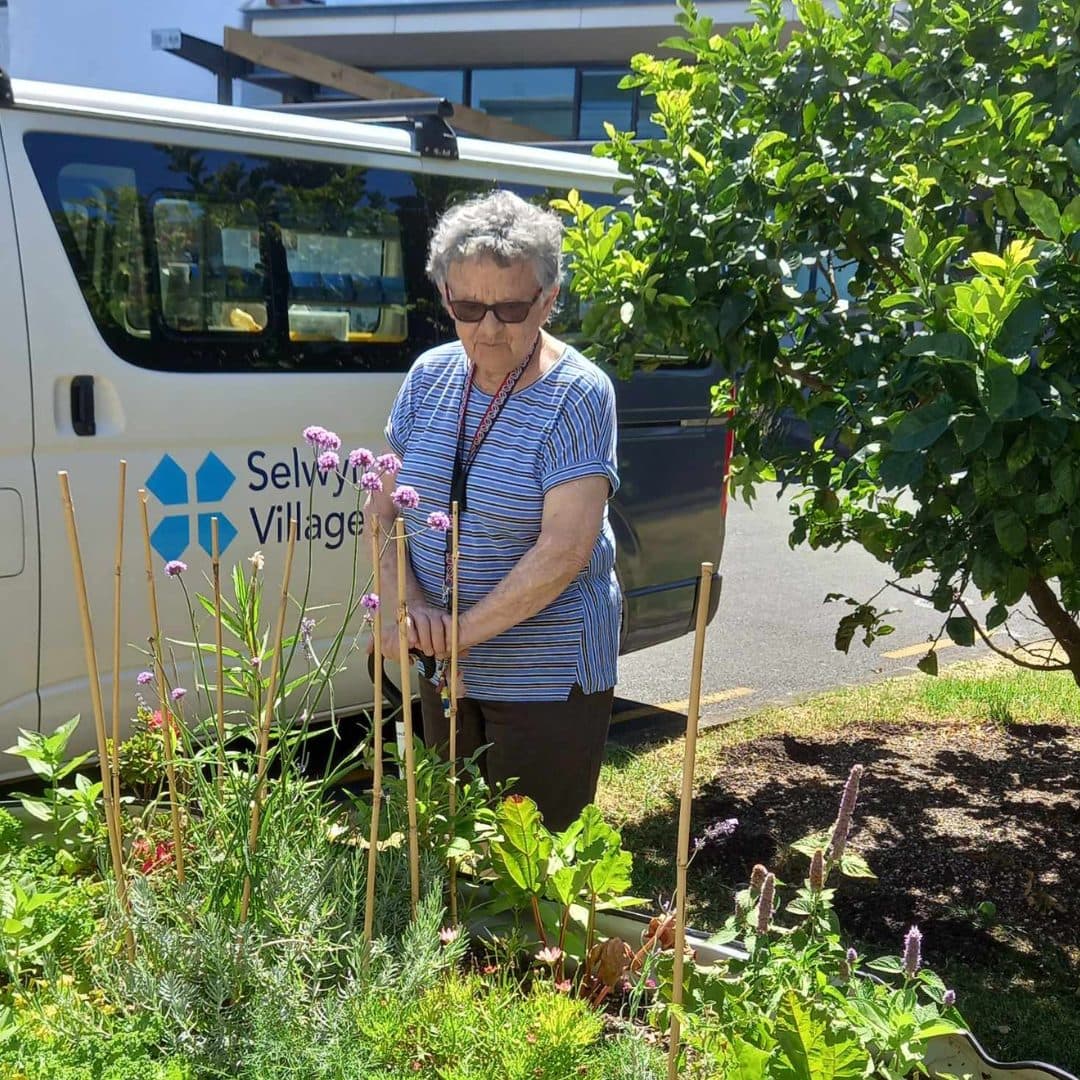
(106, 43)
(4, 38)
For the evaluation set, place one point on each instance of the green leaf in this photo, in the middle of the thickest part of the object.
(853, 865)
(947, 345)
(915, 241)
(1042, 210)
(996, 616)
(961, 630)
(526, 844)
(929, 663)
(1064, 475)
(1070, 218)
(747, 1062)
(1061, 536)
(921, 427)
(813, 1048)
(1010, 531)
(1002, 386)
(987, 262)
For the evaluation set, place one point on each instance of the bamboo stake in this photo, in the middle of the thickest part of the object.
(166, 714)
(406, 715)
(118, 573)
(112, 822)
(454, 645)
(377, 735)
(268, 716)
(216, 564)
(685, 801)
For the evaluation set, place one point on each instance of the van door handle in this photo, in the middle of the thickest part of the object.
(82, 405)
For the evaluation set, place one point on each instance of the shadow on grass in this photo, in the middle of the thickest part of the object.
(974, 834)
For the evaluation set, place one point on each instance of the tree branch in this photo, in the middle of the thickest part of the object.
(1011, 657)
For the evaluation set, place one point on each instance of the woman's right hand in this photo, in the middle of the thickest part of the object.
(429, 632)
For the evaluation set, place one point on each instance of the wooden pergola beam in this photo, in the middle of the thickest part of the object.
(303, 64)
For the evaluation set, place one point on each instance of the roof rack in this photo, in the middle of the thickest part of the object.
(432, 136)
(6, 96)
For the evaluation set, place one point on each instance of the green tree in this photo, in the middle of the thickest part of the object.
(873, 220)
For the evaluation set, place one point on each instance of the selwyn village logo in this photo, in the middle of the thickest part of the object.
(214, 479)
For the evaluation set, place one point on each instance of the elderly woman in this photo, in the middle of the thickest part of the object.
(519, 428)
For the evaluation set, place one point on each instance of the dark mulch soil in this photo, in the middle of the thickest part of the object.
(949, 818)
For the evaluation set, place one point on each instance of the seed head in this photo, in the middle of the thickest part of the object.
(839, 839)
(817, 870)
(765, 904)
(757, 876)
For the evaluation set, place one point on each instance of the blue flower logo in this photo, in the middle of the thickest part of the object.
(169, 484)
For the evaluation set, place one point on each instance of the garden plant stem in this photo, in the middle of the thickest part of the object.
(166, 712)
(268, 716)
(454, 645)
(685, 803)
(377, 739)
(406, 715)
(216, 565)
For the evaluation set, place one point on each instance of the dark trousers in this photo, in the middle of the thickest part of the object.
(553, 748)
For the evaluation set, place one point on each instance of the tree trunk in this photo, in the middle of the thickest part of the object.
(1057, 620)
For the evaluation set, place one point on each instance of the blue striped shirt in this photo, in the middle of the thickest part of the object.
(560, 428)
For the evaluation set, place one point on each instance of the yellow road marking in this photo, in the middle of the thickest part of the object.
(681, 706)
(915, 650)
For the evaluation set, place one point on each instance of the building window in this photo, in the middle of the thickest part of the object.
(443, 84)
(540, 98)
(602, 101)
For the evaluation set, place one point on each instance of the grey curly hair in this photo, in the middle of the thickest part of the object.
(501, 226)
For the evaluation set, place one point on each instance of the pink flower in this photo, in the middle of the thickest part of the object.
(912, 952)
(177, 693)
(144, 678)
(449, 934)
(550, 956)
(405, 498)
(174, 568)
(328, 462)
(370, 601)
(361, 458)
(322, 439)
(438, 521)
(388, 463)
(564, 987)
(949, 1000)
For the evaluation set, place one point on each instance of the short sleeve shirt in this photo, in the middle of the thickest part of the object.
(559, 428)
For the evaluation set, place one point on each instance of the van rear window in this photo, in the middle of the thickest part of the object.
(204, 260)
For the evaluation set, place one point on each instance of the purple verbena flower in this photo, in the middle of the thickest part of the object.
(361, 458)
(949, 1000)
(817, 870)
(370, 601)
(321, 438)
(328, 462)
(839, 839)
(177, 693)
(405, 498)
(765, 904)
(388, 463)
(174, 567)
(370, 482)
(144, 678)
(438, 521)
(912, 952)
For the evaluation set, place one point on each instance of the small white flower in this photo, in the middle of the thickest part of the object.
(257, 560)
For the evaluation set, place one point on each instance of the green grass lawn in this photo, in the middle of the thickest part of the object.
(1026, 1009)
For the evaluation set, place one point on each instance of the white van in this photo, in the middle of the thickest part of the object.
(187, 286)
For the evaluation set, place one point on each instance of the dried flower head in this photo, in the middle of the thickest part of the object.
(174, 568)
(912, 952)
(839, 839)
(257, 561)
(765, 904)
(144, 678)
(757, 876)
(405, 498)
(328, 462)
(438, 521)
(360, 458)
(817, 870)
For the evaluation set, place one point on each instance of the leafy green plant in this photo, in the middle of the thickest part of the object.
(872, 220)
(75, 823)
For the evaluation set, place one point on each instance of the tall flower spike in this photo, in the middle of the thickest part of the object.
(817, 870)
(839, 839)
(912, 952)
(765, 904)
(757, 877)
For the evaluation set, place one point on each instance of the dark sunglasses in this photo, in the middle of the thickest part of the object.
(506, 311)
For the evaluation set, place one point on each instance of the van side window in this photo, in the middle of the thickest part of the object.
(193, 259)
